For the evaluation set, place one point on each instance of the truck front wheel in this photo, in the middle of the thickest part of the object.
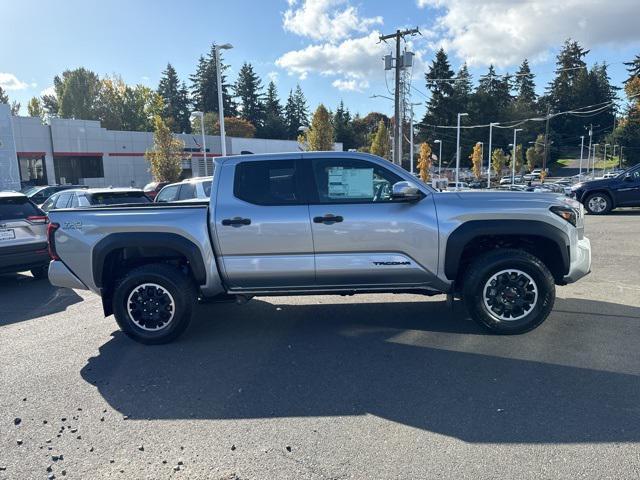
(508, 291)
(152, 303)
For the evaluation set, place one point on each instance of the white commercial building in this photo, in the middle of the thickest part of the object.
(82, 152)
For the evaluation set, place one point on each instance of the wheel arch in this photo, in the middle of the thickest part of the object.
(548, 243)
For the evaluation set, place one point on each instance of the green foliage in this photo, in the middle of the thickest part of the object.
(296, 113)
(233, 126)
(34, 108)
(77, 93)
(4, 98)
(204, 85)
(518, 158)
(248, 89)
(535, 153)
(380, 144)
(274, 123)
(165, 157)
(175, 98)
(319, 136)
(343, 127)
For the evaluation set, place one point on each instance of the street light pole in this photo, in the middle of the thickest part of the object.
(604, 166)
(513, 156)
(223, 141)
(481, 156)
(491, 125)
(411, 138)
(200, 115)
(458, 151)
(593, 160)
(590, 137)
(620, 159)
(581, 155)
(439, 158)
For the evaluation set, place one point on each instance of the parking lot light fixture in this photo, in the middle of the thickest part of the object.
(458, 152)
(223, 142)
(200, 115)
(513, 156)
(491, 125)
(439, 158)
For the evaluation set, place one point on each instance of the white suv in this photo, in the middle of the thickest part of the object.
(192, 189)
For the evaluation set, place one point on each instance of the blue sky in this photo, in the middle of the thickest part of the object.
(328, 46)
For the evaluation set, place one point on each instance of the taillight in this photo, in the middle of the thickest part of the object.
(51, 240)
(38, 219)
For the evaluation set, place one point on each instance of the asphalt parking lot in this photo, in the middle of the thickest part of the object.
(390, 386)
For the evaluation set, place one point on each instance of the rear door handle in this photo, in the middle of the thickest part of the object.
(236, 222)
(328, 219)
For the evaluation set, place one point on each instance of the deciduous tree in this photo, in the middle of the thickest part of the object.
(380, 144)
(424, 161)
(476, 160)
(319, 136)
(165, 157)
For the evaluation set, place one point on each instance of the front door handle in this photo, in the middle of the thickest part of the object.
(328, 219)
(236, 222)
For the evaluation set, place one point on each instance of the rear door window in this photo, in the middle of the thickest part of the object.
(118, 198)
(63, 200)
(271, 182)
(13, 208)
(187, 191)
(168, 194)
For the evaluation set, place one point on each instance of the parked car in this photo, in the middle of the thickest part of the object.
(507, 180)
(93, 197)
(152, 189)
(314, 222)
(41, 194)
(461, 186)
(198, 188)
(602, 195)
(23, 236)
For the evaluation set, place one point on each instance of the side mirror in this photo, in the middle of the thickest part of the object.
(628, 177)
(405, 191)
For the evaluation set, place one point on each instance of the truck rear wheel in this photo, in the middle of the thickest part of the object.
(153, 303)
(508, 291)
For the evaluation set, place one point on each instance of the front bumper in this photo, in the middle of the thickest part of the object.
(19, 258)
(580, 261)
(61, 276)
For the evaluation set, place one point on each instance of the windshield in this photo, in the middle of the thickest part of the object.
(31, 190)
(117, 198)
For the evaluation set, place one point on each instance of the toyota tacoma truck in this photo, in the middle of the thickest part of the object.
(321, 223)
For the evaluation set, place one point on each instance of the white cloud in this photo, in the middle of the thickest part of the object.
(273, 76)
(8, 81)
(503, 32)
(352, 85)
(354, 58)
(326, 20)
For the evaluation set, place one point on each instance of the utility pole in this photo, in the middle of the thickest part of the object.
(458, 152)
(546, 142)
(439, 158)
(581, 155)
(590, 138)
(397, 134)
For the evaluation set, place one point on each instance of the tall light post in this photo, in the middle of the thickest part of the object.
(513, 156)
(439, 158)
(604, 166)
(223, 141)
(620, 159)
(613, 155)
(581, 155)
(593, 160)
(458, 151)
(411, 136)
(589, 150)
(491, 125)
(200, 115)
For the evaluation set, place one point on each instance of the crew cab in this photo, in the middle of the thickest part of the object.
(602, 195)
(321, 223)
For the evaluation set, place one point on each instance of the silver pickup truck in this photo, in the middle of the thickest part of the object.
(321, 223)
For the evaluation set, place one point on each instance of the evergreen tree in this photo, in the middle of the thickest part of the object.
(525, 87)
(462, 89)
(34, 107)
(176, 101)
(633, 67)
(439, 106)
(274, 123)
(4, 98)
(248, 89)
(204, 86)
(343, 128)
(296, 113)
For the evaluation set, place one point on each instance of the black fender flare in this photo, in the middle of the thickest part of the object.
(465, 233)
(171, 241)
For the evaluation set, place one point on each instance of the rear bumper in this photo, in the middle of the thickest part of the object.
(23, 257)
(61, 276)
(580, 261)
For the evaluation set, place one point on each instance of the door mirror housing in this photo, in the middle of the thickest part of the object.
(628, 177)
(406, 191)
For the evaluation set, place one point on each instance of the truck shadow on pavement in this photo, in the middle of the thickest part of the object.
(22, 297)
(413, 363)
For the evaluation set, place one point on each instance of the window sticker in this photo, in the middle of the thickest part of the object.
(350, 182)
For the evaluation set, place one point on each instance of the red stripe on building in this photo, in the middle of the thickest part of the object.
(31, 154)
(78, 154)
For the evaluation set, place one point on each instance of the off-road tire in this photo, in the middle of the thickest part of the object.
(174, 293)
(490, 267)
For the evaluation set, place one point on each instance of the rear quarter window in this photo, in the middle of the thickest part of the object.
(117, 198)
(17, 207)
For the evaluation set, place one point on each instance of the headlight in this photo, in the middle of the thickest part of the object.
(567, 213)
(575, 187)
